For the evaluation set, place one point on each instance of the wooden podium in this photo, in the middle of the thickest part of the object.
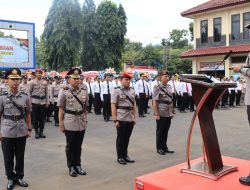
(207, 92)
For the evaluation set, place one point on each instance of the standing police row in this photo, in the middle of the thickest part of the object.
(73, 102)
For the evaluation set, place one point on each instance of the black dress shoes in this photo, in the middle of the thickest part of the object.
(160, 151)
(169, 151)
(37, 136)
(42, 135)
(121, 161)
(129, 160)
(72, 172)
(245, 180)
(142, 116)
(10, 184)
(80, 171)
(21, 182)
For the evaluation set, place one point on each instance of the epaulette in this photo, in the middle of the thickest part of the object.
(24, 93)
(83, 89)
(156, 86)
(4, 94)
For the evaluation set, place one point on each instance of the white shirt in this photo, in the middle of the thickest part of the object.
(189, 89)
(90, 86)
(183, 88)
(141, 87)
(148, 89)
(173, 84)
(230, 89)
(96, 87)
(116, 84)
(239, 86)
(154, 83)
(106, 88)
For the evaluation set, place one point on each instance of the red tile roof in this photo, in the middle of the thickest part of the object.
(212, 5)
(216, 51)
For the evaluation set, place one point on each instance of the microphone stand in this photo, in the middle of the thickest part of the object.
(219, 64)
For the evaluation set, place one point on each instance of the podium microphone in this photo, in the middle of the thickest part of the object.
(219, 64)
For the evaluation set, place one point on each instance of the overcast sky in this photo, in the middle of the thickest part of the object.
(148, 21)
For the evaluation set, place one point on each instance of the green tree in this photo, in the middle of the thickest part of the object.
(62, 33)
(191, 30)
(177, 64)
(132, 52)
(178, 39)
(1, 34)
(88, 54)
(40, 54)
(110, 30)
(151, 55)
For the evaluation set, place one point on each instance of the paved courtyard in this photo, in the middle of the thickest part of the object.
(45, 162)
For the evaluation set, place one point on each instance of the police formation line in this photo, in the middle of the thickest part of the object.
(71, 100)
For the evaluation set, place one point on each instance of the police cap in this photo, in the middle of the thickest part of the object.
(13, 73)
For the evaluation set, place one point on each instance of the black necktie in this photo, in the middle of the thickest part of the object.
(108, 88)
(99, 88)
(90, 88)
(143, 86)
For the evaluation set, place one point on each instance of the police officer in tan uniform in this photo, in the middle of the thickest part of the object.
(4, 86)
(23, 87)
(40, 100)
(163, 111)
(15, 108)
(54, 91)
(124, 116)
(73, 102)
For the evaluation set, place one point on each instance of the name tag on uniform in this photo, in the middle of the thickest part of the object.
(83, 97)
(123, 96)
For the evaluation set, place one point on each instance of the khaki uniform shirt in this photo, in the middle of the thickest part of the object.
(165, 105)
(69, 102)
(4, 88)
(10, 128)
(23, 88)
(54, 91)
(118, 97)
(39, 88)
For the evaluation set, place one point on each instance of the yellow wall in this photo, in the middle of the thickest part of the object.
(225, 15)
(198, 60)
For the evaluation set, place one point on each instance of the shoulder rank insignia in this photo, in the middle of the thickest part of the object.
(4, 94)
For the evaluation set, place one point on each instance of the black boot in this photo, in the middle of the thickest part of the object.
(41, 134)
(10, 184)
(37, 136)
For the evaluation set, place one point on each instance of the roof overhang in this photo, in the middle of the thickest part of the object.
(236, 49)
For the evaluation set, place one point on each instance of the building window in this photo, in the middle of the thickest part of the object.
(235, 27)
(217, 29)
(238, 59)
(246, 21)
(204, 31)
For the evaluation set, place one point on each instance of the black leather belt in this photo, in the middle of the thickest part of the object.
(74, 112)
(55, 96)
(13, 117)
(124, 108)
(164, 102)
(38, 97)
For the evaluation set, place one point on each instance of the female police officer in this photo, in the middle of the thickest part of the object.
(73, 102)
